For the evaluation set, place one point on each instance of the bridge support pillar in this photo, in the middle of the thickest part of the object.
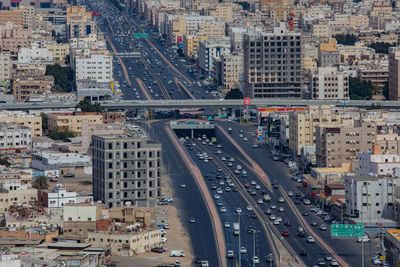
(192, 133)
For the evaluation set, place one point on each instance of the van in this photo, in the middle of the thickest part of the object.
(177, 253)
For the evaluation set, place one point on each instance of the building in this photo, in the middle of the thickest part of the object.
(15, 137)
(73, 121)
(338, 144)
(24, 119)
(35, 54)
(329, 83)
(56, 199)
(95, 66)
(130, 215)
(394, 73)
(211, 49)
(9, 260)
(191, 43)
(229, 70)
(59, 51)
(126, 168)
(302, 125)
(126, 243)
(5, 66)
(370, 198)
(15, 193)
(376, 74)
(377, 163)
(31, 87)
(328, 53)
(272, 64)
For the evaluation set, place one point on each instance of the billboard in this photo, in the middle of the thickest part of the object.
(280, 109)
(246, 101)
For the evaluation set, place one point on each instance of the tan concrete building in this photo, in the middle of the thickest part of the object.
(59, 51)
(191, 43)
(321, 30)
(73, 121)
(394, 73)
(329, 83)
(14, 16)
(14, 193)
(338, 144)
(302, 125)
(221, 11)
(5, 66)
(130, 215)
(126, 243)
(228, 70)
(328, 54)
(27, 87)
(22, 118)
(375, 74)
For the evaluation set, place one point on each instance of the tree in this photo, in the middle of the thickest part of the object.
(40, 182)
(61, 134)
(45, 121)
(180, 52)
(4, 162)
(381, 47)
(359, 89)
(234, 94)
(385, 90)
(63, 77)
(87, 106)
(346, 39)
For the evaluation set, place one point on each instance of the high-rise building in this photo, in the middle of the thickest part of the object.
(394, 73)
(272, 64)
(126, 168)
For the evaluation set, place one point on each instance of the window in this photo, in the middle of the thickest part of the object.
(110, 185)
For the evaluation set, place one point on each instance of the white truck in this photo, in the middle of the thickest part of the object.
(177, 253)
(236, 228)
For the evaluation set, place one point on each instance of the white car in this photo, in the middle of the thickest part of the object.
(272, 217)
(249, 208)
(310, 239)
(334, 263)
(243, 250)
(276, 222)
(227, 225)
(260, 201)
(281, 200)
(258, 187)
(281, 209)
(223, 209)
(256, 259)
(253, 182)
(238, 210)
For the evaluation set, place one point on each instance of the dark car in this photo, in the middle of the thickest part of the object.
(254, 216)
(288, 223)
(297, 202)
(303, 252)
(234, 189)
(268, 212)
(198, 261)
(158, 250)
(298, 194)
(69, 175)
(301, 233)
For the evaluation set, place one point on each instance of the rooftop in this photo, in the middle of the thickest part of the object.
(394, 233)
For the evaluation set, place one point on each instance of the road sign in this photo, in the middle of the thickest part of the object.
(246, 101)
(141, 35)
(347, 230)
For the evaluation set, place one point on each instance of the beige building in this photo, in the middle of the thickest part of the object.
(394, 73)
(126, 243)
(130, 215)
(321, 30)
(338, 144)
(14, 193)
(329, 83)
(14, 16)
(375, 74)
(221, 11)
(5, 66)
(191, 43)
(328, 54)
(59, 51)
(22, 118)
(228, 70)
(302, 125)
(73, 121)
(27, 87)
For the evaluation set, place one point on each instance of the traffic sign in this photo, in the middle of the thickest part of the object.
(347, 230)
(141, 35)
(246, 101)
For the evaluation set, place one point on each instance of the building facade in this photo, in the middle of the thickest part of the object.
(394, 73)
(329, 83)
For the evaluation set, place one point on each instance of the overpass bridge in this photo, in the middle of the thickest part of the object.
(201, 104)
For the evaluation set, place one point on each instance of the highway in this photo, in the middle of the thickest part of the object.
(348, 250)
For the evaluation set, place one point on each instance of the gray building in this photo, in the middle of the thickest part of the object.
(126, 168)
(272, 64)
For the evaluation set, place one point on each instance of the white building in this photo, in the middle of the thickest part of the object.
(35, 54)
(329, 83)
(9, 260)
(94, 66)
(377, 164)
(80, 213)
(212, 48)
(5, 66)
(193, 22)
(58, 198)
(15, 137)
(370, 198)
(63, 161)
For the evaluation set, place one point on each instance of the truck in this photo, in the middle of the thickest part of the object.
(177, 253)
(236, 228)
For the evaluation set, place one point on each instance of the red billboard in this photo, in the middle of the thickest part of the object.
(246, 101)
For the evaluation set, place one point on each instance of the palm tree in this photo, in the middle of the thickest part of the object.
(40, 182)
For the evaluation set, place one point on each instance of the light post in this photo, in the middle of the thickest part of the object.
(240, 256)
(254, 247)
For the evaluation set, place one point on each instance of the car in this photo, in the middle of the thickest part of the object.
(249, 208)
(213, 186)
(251, 229)
(323, 227)
(297, 202)
(303, 252)
(269, 258)
(279, 218)
(313, 223)
(216, 196)
(253, 193)
(158, 249)
(260, 201)
(246, 186)
(223, 158)
(219, 191)
(310, 239)
(272, 217)
(258, 187)
(273, 207)
(227, 225)
(243, 250)
(254, 146)
(222, 209)
(219, 203)
(281, 209)
(328, 257)
(238, 210)
(219, 169)
(334, 263)
(256, 259)
(276, 222)
(221, 182)
(69, 175)
(268, 211)
(298, 194)
(305, 213)
(230, 254)
(53, 180)
(254, 216)
(275, 186)
(321, 262)
(281, 200)
(288, 223)
(285, 233)
(253, 182)
(290, 193)
(192, 220)
(227, 189)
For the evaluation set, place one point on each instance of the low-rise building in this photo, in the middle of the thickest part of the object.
(35, 54)
(30, 87)
(377, 163)
(15, 137)
(73, 121)
(57, 198)
(129, 215)
(15, 193)
(126, 243)
(24, 119)
(211, 49)
(228, 70)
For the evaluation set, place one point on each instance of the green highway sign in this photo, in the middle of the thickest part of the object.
(347, 230)
(141, 35)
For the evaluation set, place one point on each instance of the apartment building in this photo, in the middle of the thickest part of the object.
(15, 193)
(338, 144)
(302, 125)
(229, 70)
(96, 66)
(377, 163)
(272, 64)
(28, 87)
(14, 137)
(321, 30)
(57, 198)
(211, 49)
(222, 11)
(126, 168)
(370, 198)
(7, 4)
(5, 66)
(376, 74)
(328, 54)
(191, 43)
(34, 122)
(394, 73)
(14, 37)
(59, 51)
(73, 121)
(329, 83)
(15, 16)
(35, 54)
